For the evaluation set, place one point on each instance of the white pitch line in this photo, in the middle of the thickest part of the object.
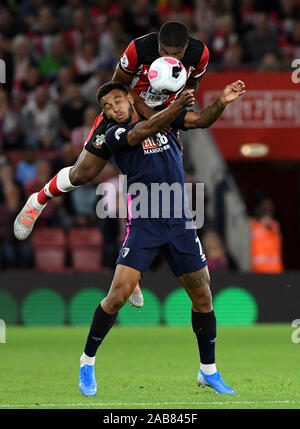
(152, 404)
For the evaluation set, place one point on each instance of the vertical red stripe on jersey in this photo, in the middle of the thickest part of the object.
(96, 123)
(128, 59)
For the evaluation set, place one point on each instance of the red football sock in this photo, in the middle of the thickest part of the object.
(58, 185)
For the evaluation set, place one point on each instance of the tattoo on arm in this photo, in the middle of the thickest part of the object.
(209, 115)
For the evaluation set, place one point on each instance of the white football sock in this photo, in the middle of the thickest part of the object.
(63, 180)
(87, 360)
(208, 369)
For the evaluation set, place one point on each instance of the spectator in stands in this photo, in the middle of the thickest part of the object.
(176, 10)
(233, 57)
(72, 110)
(270, 62)
(289, 11)
(26, 168)
(100, 12)
(205, 18)
(42, 31)
(66, 13)
(266, 242)
(13, 253)
(10, 136)
(29, 84)
(86, 62)
(83, 204)
(140, 18)
(28, 11)
(58, 88)
(80, 134)
(224, 37)
(290, 45)
(245, 15)
(40, 121)
(82, 29)
(214, 250)
(102, 75)
(22, 59)
(109, 41)
(56, 59)
(261, 40)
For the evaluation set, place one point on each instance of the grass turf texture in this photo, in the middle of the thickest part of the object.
(149, 367)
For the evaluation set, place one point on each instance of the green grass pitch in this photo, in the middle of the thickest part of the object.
(149, 368)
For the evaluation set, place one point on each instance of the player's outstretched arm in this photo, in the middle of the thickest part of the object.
(210, 114)
(161, 120)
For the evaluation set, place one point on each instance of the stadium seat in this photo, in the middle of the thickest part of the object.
(49, 246)
(86, 247)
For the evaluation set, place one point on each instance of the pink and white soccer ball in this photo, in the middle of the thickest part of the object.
(167, 75)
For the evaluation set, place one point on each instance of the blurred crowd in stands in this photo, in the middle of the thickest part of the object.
(58, 52)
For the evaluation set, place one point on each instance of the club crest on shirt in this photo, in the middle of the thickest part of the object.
(99, 140)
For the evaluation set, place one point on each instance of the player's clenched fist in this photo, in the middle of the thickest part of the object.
(187, 98)
(232, 92)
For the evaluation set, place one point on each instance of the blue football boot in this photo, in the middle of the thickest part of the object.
(215, 381)
(87, 381)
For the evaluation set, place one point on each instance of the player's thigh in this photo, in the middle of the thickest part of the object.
(197, 286)
(86, 168)
(122, 286)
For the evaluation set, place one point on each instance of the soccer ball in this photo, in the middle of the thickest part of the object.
(167, 75)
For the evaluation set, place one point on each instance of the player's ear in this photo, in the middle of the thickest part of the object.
(130, 98)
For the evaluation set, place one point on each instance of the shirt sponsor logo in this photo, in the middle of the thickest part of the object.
(155, 144)
(98, 142)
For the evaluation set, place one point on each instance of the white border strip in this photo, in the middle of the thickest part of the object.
(141, 404)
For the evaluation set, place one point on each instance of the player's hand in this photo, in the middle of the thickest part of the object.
(232, 92)
(187, 98)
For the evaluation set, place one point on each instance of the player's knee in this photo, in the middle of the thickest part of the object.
(117, 300)
(202, 302)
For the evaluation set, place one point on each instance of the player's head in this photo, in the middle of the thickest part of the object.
(116, 102)
(173, 39)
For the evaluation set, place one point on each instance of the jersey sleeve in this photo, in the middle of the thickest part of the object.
(128, 60)
(116, 138)
(95, 142)
(178, 123)
(202, 64)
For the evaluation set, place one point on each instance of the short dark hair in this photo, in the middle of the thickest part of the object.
(173, 33)
(108, 87)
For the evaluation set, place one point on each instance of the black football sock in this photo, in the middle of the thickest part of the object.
(205, 328)
(101, 324)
